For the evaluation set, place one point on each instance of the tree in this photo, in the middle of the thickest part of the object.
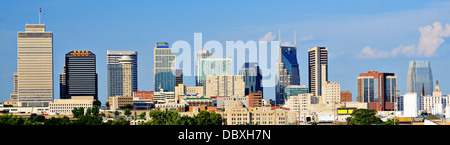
(107, 105)
(97, 103)
(80, 111)
(95, 110)
(363, 117)
(75, 112)
(127, 112)
(206, 118)
(116, 113)
(88, 111)
(390, 121)
(142, 116)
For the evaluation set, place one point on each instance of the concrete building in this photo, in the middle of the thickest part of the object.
(331, 92)
(318, 69)
(146, 95)
(301, 102)
(183, 90)
(237, 114)
(171, 104)
(255, 99)
(126, 63)
(164, 67)
(225, 85)
(222, 101)
(161, 96)
(346, 96)
(65, 106)
(34, 66)
(178, 77)
(115, 74)
(63, 84)
(198, 101)
(410, 104)
(117, 101)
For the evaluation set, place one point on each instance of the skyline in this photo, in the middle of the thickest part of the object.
(97, 31)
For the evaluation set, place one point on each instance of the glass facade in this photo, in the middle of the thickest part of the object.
(252, 77)
(81, 76)
(294, 90)
(419, 76)
(289, 58)
(164, 68)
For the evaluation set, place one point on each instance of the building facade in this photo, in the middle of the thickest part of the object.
(377, 89)
(293, 90)
(331, 92)
(65, 106)
(255, 99)
(81, 75)
(225, 85)
(346, 96)
(115, 72)
(318, 69)
(419, 77)
(208, 66)
(34, 66)
(164, 67)
(252, 77)
(126, 63)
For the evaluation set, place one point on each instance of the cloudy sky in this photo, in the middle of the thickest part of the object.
(382, 35)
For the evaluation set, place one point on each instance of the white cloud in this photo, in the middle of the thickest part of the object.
(306, 38)
(431, 37)
(368, 53)
(268, 37)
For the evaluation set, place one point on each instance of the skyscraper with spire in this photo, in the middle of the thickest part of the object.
(287, 71)
(419, 78)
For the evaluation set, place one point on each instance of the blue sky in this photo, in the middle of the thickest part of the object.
(360, 35)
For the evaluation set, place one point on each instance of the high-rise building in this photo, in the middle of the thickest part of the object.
(164, 67)
(225, 85)
(282, 79)
(377, 89)
(63, 84)
(127, 75)
(179, 77)
(208, 66)
(81, 74)
(289, 58)
(252, 77)
(34, 66)
(115, 74)
(318, 69)
(419, 76)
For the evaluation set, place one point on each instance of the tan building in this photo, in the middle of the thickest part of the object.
(65, 106)
(171, 104)
(225, 85)
(35, 66)
(118, 101)
(236, 114)
(302, 101)
(346, 96)
(182, 90)
(318, 69)
(127, 72)
(331, 92)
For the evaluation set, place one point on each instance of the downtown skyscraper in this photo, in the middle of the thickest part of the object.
(419, 78)
(318, 69)
(34, 66)
(282, 79)
(164, 67)
(115, 86)
(378, 90)
(205, 65)
(252, 77)
(81, 75)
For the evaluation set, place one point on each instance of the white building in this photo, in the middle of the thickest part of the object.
(331, 92)
(302, 101)
(410, 104)
(161, 96)
(65, 106)
(225, 85)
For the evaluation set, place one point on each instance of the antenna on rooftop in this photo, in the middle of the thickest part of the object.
(40, 10)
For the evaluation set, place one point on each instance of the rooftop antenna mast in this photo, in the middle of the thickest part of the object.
(40, 10)
(295, 41)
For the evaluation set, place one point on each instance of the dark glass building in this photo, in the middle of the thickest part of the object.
(252, 77)
(81, 76)
(289, 58)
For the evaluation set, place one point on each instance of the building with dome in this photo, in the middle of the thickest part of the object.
(236, 113)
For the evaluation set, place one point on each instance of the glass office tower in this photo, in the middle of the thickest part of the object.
(419, 76)
(164, 67)
(81, 75)
(114, 72)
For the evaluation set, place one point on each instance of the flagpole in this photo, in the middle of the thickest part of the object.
(40, 15)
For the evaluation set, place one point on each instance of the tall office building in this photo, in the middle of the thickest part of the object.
(35, 66)
(81, 75)
(208, 66)
(164, 67)
(63, 84)
(377, 89)
(419, 77)
(115, 74)
(318, 69)
(293, 90)
(282, 79)
(179, 77)
(126, 63)
(252, 77)
(289, 58)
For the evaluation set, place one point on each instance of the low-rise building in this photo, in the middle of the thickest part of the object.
(65, 106)
(117, 101)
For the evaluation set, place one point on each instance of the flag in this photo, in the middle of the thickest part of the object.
(40, 10)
